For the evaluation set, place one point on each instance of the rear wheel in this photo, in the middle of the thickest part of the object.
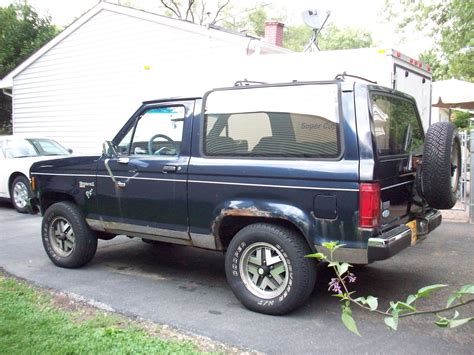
(67, 239)
(441, 166)
(20, 192)
(267, 270)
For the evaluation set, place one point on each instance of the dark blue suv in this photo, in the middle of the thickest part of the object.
(264, 173)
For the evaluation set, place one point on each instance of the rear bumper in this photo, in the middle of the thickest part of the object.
(430, 222)
(387, 244)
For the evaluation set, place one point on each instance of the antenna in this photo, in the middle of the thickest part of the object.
(316, 19)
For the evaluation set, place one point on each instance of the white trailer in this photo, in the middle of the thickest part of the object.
(386, 67)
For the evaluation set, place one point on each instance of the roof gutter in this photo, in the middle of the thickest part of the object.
(5, 92)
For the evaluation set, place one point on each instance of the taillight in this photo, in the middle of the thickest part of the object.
(369, 205)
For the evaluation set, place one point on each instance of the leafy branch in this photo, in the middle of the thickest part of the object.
(396, 310)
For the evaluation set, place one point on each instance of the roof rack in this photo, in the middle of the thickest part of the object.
(344, 74)
(246, 82)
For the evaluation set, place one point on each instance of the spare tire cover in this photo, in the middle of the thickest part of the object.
(441, 165)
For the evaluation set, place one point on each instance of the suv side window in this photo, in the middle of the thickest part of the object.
(264, 122)
(158, 132)
(396, 125)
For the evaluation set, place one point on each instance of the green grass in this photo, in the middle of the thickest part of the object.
(30, 323)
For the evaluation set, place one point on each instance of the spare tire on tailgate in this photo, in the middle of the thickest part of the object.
(441, 165)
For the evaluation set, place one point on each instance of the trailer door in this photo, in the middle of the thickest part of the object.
(417, 85)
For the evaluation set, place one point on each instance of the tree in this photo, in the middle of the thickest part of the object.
(333, 37)
(22, 32)
(197, 11)
(251, 20)
(461, 119)
(296, 37)
(439, 69)
(449, 24)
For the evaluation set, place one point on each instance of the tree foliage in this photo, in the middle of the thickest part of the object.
(22, 32)
(197, 11)
(297, 37)
(461, 119)
(450, 25)
(250, 20)
(333, 37)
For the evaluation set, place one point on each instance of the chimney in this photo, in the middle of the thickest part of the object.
(274, 32)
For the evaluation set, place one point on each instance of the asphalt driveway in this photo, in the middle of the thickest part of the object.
(186, 288)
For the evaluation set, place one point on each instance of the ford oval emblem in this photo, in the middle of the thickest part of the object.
(385, 213)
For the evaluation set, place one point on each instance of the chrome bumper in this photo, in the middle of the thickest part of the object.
(431, 221)
(387, 244)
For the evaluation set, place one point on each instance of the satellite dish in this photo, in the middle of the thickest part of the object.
(316, 19)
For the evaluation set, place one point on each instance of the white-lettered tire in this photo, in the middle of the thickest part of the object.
(67, 238)
(266, 268)
(20, 192)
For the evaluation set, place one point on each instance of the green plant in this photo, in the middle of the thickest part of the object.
(461, 119)
(396, 309)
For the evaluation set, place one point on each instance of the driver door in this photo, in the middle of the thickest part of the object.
(142, 189)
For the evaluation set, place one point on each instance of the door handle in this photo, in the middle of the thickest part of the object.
(170, 169)
(123, 160)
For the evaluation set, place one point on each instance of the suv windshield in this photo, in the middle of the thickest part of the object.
(19, 148)
(396, 124)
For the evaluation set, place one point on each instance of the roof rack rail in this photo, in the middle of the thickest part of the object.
(246, 82)
(344, 74)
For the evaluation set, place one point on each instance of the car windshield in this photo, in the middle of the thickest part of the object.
(19, 148)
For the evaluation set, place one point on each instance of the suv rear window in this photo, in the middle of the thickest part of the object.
(396, 124)
(276, 121)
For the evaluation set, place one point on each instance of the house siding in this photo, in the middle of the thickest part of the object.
(83, 89)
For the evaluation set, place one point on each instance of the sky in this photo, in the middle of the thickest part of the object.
(366, 14)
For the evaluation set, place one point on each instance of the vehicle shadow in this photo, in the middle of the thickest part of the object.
(198, 268)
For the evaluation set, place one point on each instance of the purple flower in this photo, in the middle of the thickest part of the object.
(352, 278)
(334, 286)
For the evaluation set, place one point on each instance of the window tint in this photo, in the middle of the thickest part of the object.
(286, 121)
(397, 129)
(158, 131)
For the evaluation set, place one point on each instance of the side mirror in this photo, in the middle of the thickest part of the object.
(69, 150)
(109, 150)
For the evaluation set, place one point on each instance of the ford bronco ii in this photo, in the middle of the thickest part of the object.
(264, 173)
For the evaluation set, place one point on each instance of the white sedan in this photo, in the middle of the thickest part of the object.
(16, 156)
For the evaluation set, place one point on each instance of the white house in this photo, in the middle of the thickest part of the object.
(83, 85)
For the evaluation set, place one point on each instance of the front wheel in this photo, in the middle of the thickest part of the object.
(20, 192)
(67, 239)
(266, 268)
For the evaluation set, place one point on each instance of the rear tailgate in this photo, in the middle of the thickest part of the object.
(398, 137)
